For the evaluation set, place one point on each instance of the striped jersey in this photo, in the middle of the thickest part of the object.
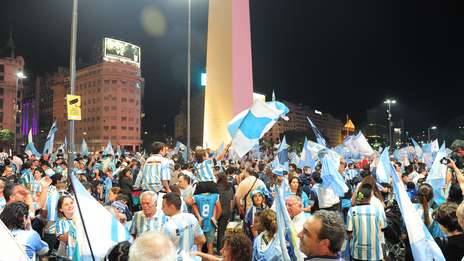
(142, 223)
(51, 204)
(366, 223)
(182, 229)
(204, 171)
(206, 203)
(35, 187)
(156, 169)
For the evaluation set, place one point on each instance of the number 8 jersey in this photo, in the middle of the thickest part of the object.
(206, 203)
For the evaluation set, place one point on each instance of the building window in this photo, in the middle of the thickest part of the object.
(113, 127)
(1, 103)
(124, 128)
(123, 118)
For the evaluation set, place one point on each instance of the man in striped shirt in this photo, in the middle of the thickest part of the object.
(147, 219)
(182, 228)
(365, 223)
(156, 173)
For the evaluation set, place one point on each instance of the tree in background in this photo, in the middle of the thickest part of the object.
(6, 139)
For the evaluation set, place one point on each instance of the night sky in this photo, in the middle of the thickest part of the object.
(340, 57)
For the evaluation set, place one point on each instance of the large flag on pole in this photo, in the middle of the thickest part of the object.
(437, 176)
(423, 246)
(103, 229)
(250, 125)
(48, 147)
(320, 139)
(12, 250)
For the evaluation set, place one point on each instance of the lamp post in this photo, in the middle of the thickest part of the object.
(19, 79)
(72, 78)
(428, 132)
(188, 72)
(389, 102)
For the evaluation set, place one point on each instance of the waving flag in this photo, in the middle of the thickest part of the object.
(423, 246)
(437, 176)
(330, 175)
(84, 148)
(358, 144)
(103, 229)
(31, 150)
(29, 136)
(250, 125)
(306, 159)
(286, 232)
(180, 147)
(417, 149)
(12, 250)
(320, 139)
(282, 152)
(48, 147)
(380, 172)
(109, 149)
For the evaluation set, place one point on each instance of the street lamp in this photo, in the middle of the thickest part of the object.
(20, 76)
(389, 102)
(188, 72)
(428, 131)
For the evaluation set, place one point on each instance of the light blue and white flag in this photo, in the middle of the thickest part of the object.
(417, 149)
(103, 229)
(31, 150)
(48, 147)
(330, 175)
(320, 139)
(423, 246)
(306, 159)
(282, 152)
(293, 158)
(358, 144)
(437, 177)
(380, 171)
(180, 147)
(108, 149)
(286, 231)
(250, 125)
(29, 136)
(12, 250)
(84, 148)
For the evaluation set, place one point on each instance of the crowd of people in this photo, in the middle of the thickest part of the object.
(213, 208)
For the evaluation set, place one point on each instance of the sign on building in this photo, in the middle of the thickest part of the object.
(119, 50)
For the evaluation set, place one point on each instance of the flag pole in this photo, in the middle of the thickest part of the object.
(82, 217)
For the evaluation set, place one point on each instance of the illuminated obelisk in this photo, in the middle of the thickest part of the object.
(229, 86)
